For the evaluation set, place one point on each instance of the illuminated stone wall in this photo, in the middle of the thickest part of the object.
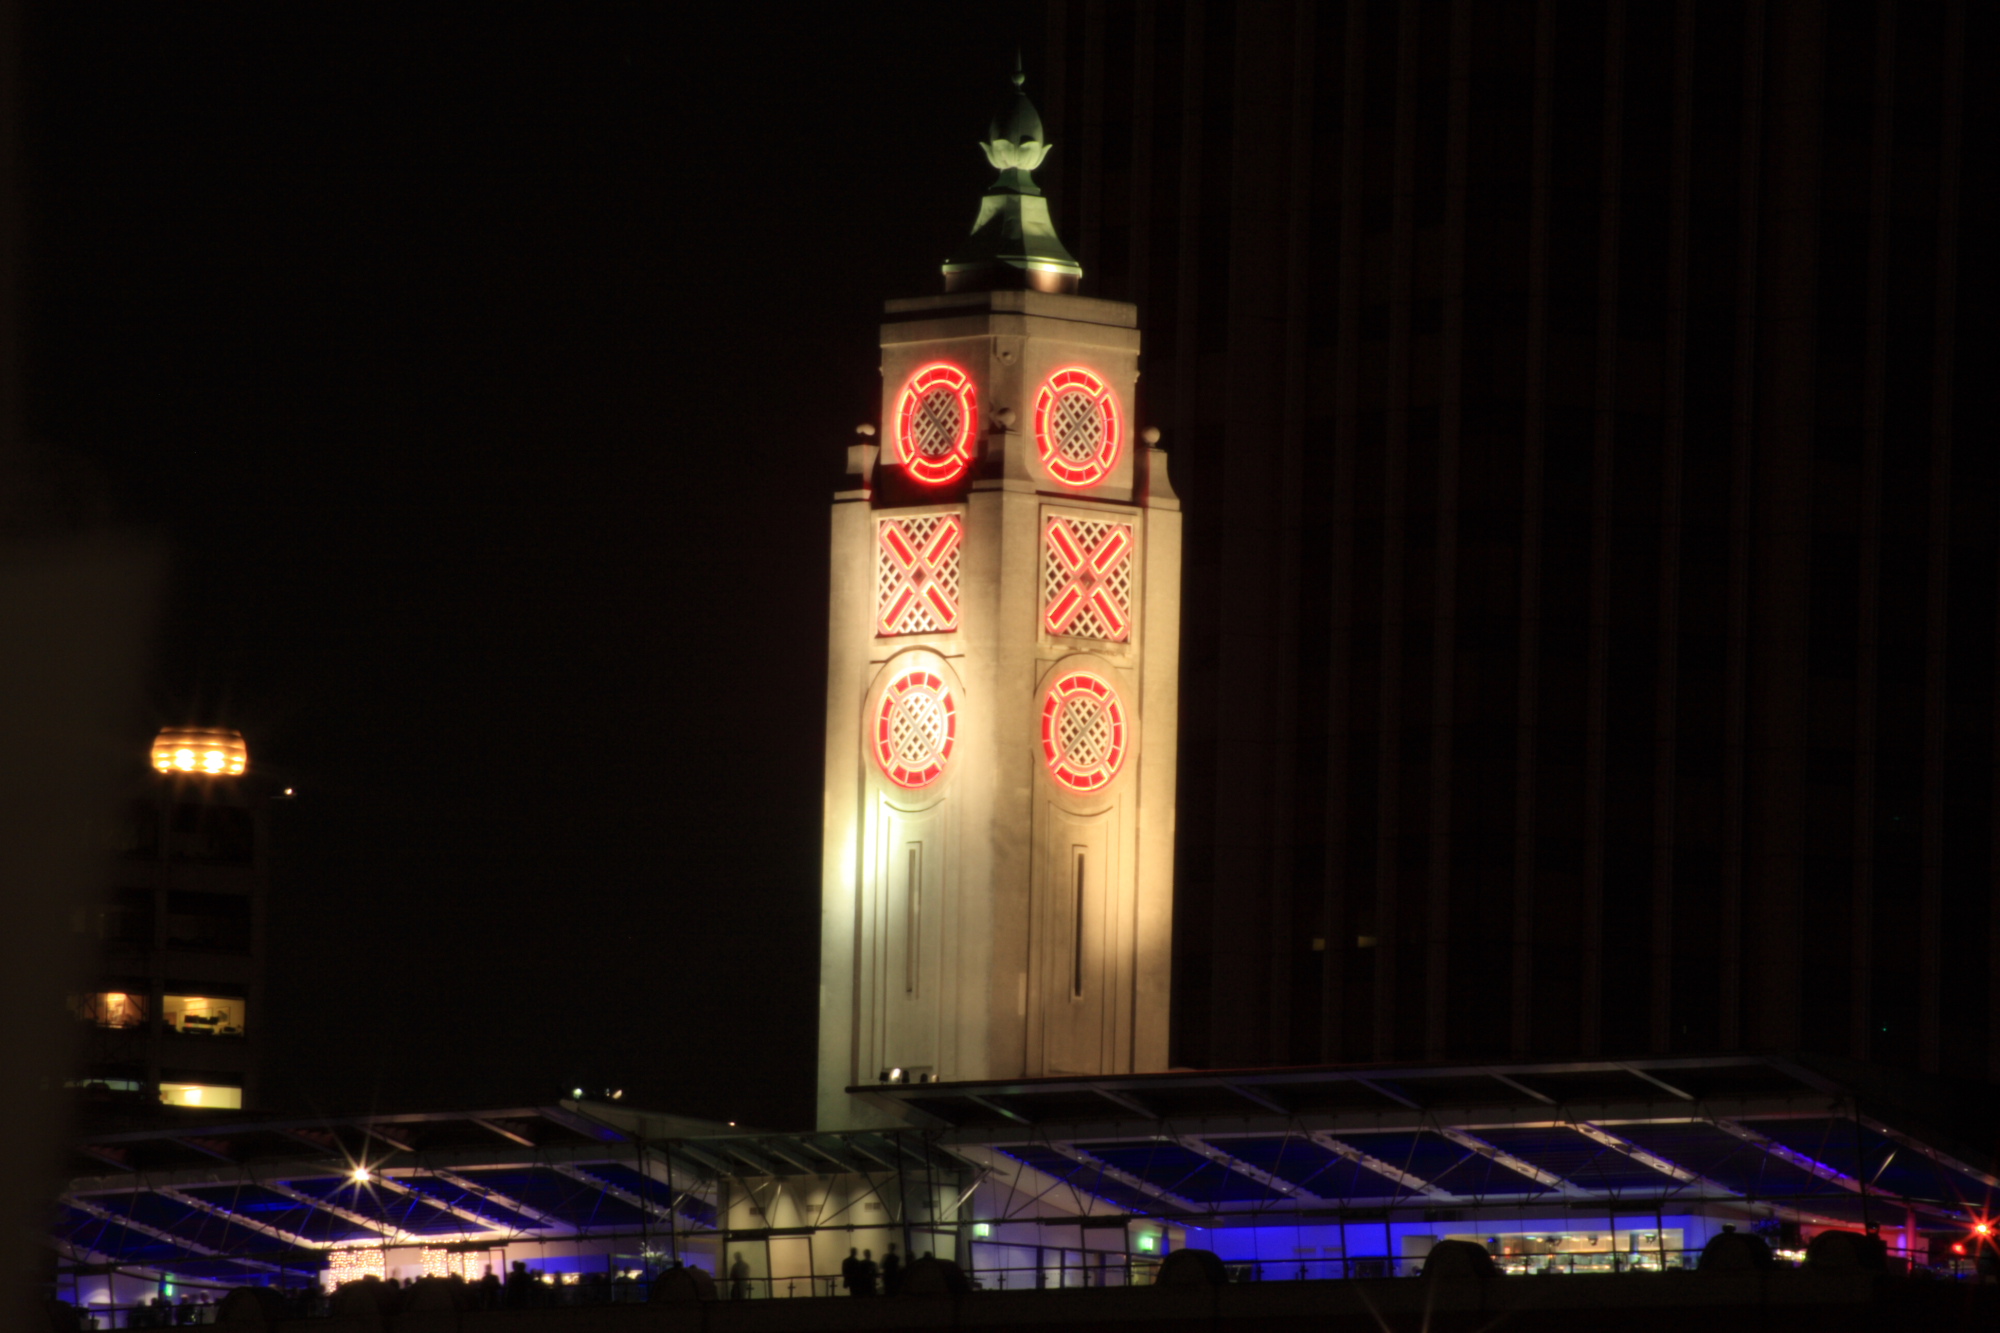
(1001, 699)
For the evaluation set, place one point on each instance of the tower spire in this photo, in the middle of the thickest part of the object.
(1013, 242)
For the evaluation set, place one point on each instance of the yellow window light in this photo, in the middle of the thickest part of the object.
(209, 751)
(206, 1095)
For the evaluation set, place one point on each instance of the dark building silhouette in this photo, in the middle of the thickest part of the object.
(1584, 421)
(174, 1006)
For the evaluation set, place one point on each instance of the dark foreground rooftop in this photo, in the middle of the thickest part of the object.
(1322, 1190)
(1780, 1301)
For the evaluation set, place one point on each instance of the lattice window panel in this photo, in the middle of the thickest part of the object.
(916, 727)
(1084, 736)
(1077, 430)
(1087, 578)
(916, 574)
(936, 422)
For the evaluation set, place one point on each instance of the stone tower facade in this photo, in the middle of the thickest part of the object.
(1002, 684)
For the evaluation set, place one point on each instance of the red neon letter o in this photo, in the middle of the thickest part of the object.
(937, 421)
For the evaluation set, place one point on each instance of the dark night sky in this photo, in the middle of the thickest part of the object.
(485, 374)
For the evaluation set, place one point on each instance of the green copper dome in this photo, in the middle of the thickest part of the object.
(1013, 242)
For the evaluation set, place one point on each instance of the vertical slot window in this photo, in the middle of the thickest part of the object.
(1076, 927)
(913, 917)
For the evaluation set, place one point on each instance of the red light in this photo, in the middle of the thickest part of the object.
(936, 420)
(1982, 1228)
(1083, 732)
(1958, 1247)
(1087, 586)
(918, 575)
(1076, 427)
(916, 726)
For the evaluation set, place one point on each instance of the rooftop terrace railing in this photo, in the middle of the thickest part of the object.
(1129, 1271)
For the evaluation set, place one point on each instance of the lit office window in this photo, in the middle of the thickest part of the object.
(203, 1015)
(202, 1094)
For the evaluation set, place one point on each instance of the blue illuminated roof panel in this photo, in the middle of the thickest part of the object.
(653, 1191)
(1579, 1160)
(1182, 1172)
(222, 1270)
(1888, 1168)
(1425, 1156)
(114, 1239)
(196, 1227)
(272, 1209)
(575, 1202)
(79, 1228)
(379, 1204)
(1090, 1179)
(457, 1196)
(1729, 1161)
(1306, 1164)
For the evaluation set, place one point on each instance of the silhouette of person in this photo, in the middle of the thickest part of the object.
(739, 1279)
(850, 1272)
(865, 1286)
(520, 1285)
(892, 1270)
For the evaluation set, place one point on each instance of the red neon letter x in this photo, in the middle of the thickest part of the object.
(917, 572)
(1084, 581)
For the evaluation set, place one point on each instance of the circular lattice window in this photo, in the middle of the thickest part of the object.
(1084, 735)
(1076, 427)
(935, 421)
(916, 726)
